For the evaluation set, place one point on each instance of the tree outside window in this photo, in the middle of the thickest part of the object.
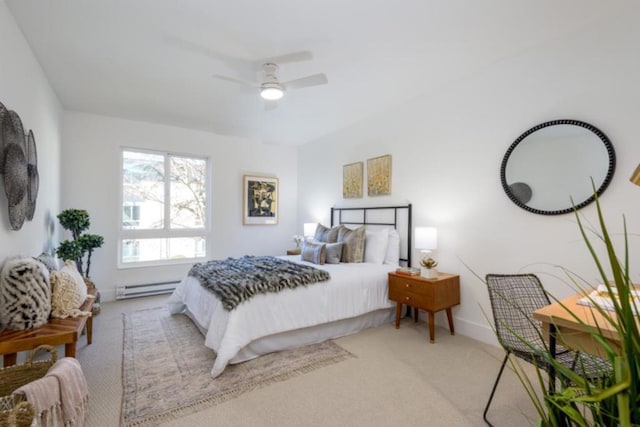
(164, 207)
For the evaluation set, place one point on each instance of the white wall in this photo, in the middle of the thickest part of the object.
(447, 148)
(24, 88)
(91, 178)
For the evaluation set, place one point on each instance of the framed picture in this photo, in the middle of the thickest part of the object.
(260, 200)
(352, 180)
(379, 176)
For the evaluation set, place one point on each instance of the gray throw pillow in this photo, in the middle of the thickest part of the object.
(353, 241)
(327, 235)
(49, 261)
(334, 253)
(313, 252)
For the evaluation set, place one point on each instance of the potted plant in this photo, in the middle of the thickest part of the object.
(428, 270)
(77, 221)
(615, 399)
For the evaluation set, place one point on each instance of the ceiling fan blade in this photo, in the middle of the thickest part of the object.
(189, 46)
(314, 80)
(304, 55)
(237, 81)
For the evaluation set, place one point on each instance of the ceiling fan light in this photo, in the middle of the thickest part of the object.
(271, 93)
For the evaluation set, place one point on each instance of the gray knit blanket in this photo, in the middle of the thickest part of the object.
(235, 280)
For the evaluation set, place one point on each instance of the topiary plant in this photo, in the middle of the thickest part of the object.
(77, 221)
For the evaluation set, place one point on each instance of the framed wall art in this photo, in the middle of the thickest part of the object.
(352, 180)
(260, 200)
(379, 176)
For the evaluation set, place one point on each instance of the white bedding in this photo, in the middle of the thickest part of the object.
(353, 290)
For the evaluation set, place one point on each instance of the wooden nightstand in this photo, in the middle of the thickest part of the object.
(293, 251)
(431, 295)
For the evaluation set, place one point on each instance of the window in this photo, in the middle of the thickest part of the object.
(130, 215)
(164, 208)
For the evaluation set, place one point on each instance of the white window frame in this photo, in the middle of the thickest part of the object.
(166, 231)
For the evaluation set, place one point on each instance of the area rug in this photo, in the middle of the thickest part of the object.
(166, 368)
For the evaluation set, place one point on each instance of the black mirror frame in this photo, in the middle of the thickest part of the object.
(605, 140)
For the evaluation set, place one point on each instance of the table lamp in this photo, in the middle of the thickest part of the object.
(635, 178)
(427, 241)
(309, 229)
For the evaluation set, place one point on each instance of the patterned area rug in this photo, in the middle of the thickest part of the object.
(166, 368)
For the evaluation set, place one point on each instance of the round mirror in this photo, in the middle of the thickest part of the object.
(549, 169)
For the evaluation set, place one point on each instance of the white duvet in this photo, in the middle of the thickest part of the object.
(354, 289)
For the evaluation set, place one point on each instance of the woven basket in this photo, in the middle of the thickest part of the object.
(13, 410)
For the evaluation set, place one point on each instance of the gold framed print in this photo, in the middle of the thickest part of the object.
(352, 180)
(260, 200)
(379, 176)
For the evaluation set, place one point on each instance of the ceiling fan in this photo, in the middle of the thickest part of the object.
(271, 88)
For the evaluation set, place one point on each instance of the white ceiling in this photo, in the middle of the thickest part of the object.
(153, 60)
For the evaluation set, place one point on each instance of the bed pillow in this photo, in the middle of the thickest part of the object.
(334, 253)
(375, 245)
(393, 248)
(315, 252)
(327, 235)
(353, 244)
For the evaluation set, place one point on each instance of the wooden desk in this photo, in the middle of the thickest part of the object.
(571, 332)
(54, 332)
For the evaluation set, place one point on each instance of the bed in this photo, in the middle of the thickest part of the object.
(354, 298)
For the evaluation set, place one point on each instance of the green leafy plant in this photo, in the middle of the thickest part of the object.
(612, 400)
(77, 221)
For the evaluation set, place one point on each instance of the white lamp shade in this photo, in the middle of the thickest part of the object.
(426, 238)
(310, 229)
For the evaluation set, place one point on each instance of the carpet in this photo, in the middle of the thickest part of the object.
(166, 368)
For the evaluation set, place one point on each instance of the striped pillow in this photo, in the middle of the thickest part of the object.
(334, 253)
(353, 244)
(328, 235)
(315, 252)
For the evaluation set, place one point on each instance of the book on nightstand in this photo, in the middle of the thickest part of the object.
(408, 271)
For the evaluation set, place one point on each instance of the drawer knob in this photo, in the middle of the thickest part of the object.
(407, 285)
(407, 298)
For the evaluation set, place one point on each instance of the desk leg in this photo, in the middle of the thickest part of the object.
(398, 312)
(552, 350)
(10, 359)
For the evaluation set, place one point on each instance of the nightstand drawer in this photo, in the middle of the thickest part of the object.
(410, 298)
(402, 285)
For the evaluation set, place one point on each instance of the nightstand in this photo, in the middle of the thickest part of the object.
(293, 251)
(431, 295)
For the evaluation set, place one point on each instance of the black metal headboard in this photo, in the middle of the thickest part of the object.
(398, 217)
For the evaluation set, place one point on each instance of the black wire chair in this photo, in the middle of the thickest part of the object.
(514, 298)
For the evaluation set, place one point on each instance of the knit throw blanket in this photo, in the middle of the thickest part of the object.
(61, 397)
(235, 280)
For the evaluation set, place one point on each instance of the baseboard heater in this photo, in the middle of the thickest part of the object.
(146, 289)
